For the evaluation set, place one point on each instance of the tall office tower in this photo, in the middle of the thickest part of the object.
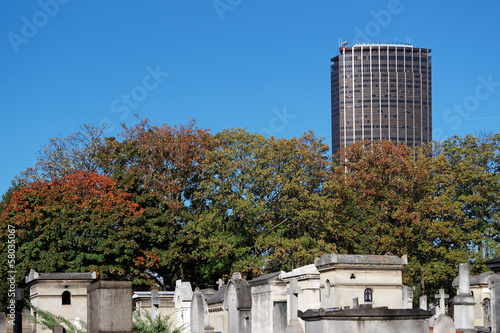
(381, 91)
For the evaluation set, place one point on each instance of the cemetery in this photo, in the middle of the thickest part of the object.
(338, 293)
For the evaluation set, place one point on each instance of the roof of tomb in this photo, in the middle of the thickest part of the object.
(265, 279)
(34, 275)
(361, 261)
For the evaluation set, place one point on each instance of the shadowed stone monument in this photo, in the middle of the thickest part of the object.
(238, 303)
(494, 265)
(109, 307)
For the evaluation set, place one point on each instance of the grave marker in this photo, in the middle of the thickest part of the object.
(293, 292)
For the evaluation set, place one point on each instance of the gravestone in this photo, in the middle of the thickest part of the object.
(155, 304)
(444, 324)
(238, 303)
(279, 319)
(407, 297)
(464, 302)
(197, 312)
(423, 302)
(3, 322)
(109, 307)
(440, 310)
(293, 292)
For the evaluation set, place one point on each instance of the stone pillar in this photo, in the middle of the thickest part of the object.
(109, 307)
(464, 302)
(494, 265)
(155, 303)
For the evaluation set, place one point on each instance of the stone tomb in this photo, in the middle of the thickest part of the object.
(63, 294)
(182, 302)
(141, 301)
(267, 290)
(238, 304)
(366, 319)
(373, 279)
(217, 315)
(199, 310)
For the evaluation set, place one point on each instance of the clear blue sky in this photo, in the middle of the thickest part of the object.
(226, 63)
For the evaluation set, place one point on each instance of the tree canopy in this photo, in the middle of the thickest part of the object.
(159, 203)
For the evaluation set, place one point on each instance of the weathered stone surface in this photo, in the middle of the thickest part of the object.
(197, 313)
(109, 307)
(362, 320)
(279, 319)
(444, 324)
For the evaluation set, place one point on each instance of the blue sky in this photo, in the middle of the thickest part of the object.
(263, 65)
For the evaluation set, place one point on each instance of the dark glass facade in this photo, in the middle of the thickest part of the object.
(381, 91)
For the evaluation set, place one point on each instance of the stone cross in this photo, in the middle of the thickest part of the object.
(293, 291)
(442, 297)
(220, 283)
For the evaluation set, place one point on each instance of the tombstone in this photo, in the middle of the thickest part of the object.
(238, 304)
(109, 307)
(155, 304)
(423, 302)
(3, 322)
(293, 292)
(444, 324)
(355, 303)
(279, 319)
(464, 302)
(407, 297)
(440, 310)
(197, 312)
(182, 298)
(268, 290)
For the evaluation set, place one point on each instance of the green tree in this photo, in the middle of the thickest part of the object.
(261, 197)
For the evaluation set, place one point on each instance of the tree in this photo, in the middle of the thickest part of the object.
(261, 197)
(160, 167)
(82, 223)
(64, 156)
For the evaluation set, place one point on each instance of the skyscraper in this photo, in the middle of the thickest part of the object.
(381, 91)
